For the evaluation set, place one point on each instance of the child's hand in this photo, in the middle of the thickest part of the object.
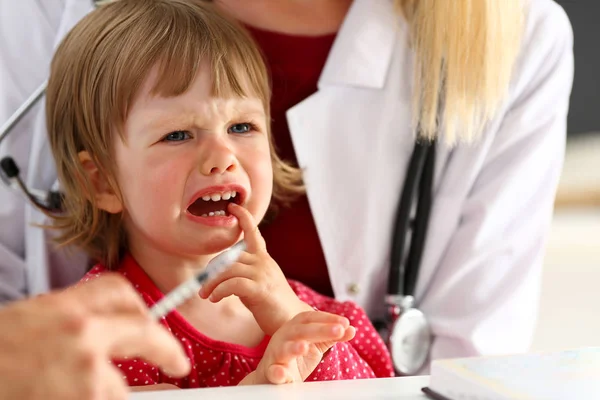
(298, 347)
(257, 280)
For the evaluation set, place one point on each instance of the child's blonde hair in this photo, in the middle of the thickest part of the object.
(96, 74)
(465, 51)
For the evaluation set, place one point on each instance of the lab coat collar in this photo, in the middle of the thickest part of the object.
(362, 52)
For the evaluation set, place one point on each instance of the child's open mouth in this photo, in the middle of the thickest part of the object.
(214, 204)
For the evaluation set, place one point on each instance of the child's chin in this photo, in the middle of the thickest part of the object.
(217, 245)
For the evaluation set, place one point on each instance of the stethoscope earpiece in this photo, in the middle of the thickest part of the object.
(53, 200)
(9, 167)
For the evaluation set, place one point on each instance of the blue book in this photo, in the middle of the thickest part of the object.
(560, 375)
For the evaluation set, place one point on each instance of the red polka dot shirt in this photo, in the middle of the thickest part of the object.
(216, 363)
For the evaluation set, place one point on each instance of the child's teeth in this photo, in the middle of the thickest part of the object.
(233, 194)
(211, 214)
(206, 198)
(215, 197)
(205, 215)
(226, 196)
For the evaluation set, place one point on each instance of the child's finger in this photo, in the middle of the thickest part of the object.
(321, 317)
(237, 270)
(315, 332)
(290, 350)
(277, 375)
(348, 334)
(241, 287)
(252, 237)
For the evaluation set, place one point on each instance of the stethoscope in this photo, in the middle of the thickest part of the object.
(405, 328)
(49, 201)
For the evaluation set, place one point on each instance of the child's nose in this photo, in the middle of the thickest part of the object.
(217, 158)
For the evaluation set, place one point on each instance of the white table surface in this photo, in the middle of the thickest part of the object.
(384, 388)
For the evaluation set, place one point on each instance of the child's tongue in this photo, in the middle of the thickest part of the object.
(201, 207)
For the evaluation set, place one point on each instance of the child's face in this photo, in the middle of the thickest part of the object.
(183, 153)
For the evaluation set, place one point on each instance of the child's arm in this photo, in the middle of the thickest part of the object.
(365, 356)
(257, 280)
(297, 348)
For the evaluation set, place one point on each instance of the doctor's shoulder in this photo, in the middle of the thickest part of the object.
(546, 49)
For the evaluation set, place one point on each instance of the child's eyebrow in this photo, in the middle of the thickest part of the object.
(161, 122)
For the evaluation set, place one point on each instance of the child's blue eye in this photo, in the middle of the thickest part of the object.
(177, 136)
(241, 128)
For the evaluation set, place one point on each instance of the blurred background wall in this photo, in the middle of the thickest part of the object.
(570, 305)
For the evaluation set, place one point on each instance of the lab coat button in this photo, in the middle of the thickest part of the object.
(353, 289)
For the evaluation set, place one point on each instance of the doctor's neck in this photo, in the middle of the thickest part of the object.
(291, 17)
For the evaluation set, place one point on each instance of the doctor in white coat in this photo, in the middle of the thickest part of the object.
(480, 273)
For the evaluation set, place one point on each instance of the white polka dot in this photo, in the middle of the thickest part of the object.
(146, 382)
(130, 368)
(135, 380)
(119, 365)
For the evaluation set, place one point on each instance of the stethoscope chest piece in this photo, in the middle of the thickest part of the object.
(408, 335)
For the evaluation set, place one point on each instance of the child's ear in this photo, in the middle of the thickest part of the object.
(105, 197)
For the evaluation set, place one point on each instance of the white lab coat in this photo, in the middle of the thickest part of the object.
(480, 273)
